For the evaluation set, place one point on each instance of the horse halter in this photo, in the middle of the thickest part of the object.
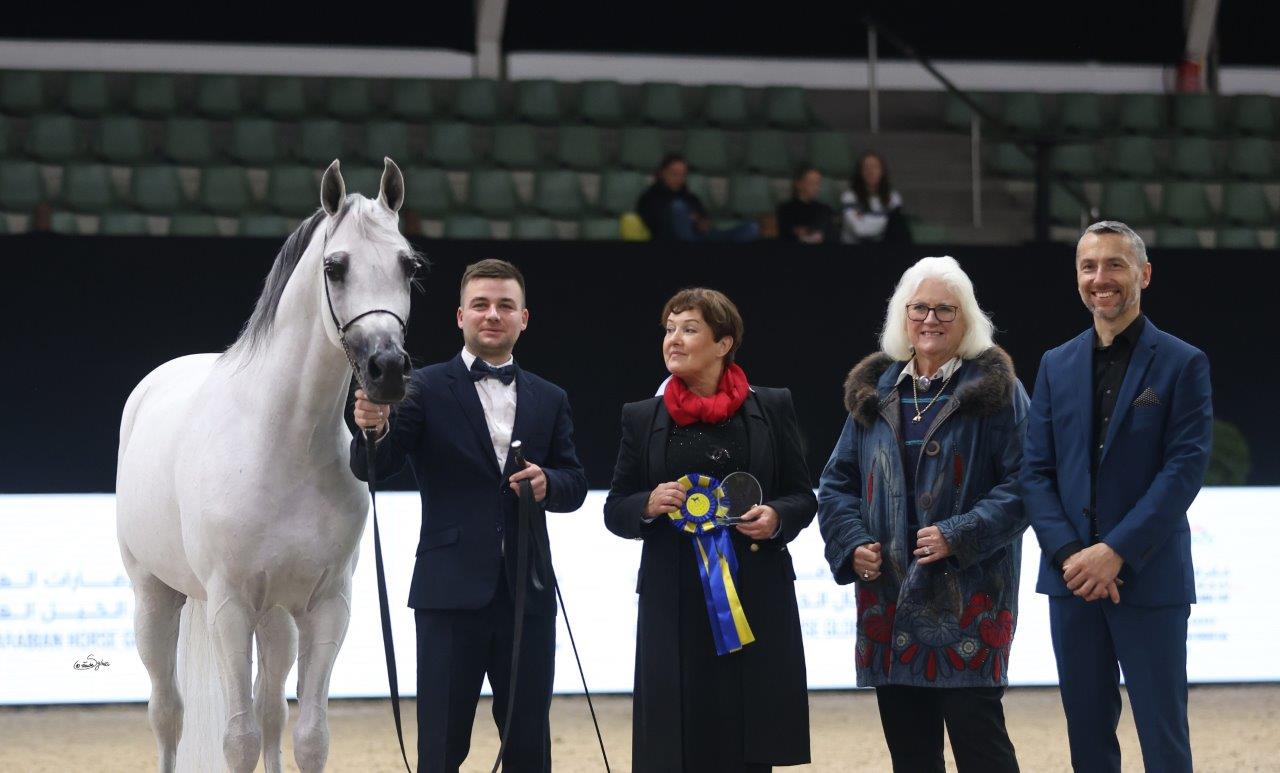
(342, 330)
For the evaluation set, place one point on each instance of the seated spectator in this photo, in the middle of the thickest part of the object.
(871, 210)
(803, 218)
(672, 213)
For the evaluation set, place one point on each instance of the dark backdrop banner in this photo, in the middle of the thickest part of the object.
(86, 318)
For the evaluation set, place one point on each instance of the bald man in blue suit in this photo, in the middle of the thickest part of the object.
(1118, 440)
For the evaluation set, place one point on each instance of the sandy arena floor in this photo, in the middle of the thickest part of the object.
(1233, 728)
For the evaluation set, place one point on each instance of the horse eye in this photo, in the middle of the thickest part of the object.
(335, 270)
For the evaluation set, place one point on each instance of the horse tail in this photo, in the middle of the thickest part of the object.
(130, 413)
(204, 702)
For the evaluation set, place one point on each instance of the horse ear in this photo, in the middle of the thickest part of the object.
(333, 190)
(391, 194)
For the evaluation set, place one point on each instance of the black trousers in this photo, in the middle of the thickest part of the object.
(456, 649)
(913, 718)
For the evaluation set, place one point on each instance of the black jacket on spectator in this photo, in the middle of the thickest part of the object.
(654, 208)
(814, 215)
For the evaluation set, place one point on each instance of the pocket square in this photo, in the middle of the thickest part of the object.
(1148, 397)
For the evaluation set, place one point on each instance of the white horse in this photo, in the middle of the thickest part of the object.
(234, 497)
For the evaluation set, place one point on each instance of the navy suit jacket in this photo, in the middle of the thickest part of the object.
(468, 509)
(1153, 462)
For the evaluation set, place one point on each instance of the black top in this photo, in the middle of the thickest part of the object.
(814, 215)
(708, 449)
(654, 208)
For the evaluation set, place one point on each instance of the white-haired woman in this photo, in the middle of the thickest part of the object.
(918, 504)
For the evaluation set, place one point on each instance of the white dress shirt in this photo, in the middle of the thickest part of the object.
(499, 403)
(945, 372)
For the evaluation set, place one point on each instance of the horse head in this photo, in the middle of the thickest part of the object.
(368, 271)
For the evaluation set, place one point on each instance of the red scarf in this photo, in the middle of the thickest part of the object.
(686, 407)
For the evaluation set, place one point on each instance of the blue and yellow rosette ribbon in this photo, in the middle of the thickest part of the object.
(701, 517)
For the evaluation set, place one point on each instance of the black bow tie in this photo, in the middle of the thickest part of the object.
(481, 370)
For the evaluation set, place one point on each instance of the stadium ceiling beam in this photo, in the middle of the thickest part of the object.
(491, 17)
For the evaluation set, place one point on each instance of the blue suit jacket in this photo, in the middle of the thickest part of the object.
(468, 508)
(1153, 462)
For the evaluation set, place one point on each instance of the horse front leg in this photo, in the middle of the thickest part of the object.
(321, 630)
(277, 649)
(231, 623)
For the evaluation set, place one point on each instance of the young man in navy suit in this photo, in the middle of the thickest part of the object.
(1117, 444)
(456, 428)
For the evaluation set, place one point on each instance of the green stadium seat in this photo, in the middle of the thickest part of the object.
(700, 185)
(1251, 158)
(294, 190)
(1022, 111)
(450, 145)
(1195, 113)
(224, 190)
(1007, 159)
(87, 188)
(1081, 113)
(600, 229)
(153, 95)
(831, 191)
(640, 147)
(492, 192)
(188, 141)
(427, 192)
(1238, 239)
(386, 138)
(929, 233)
(360, 178)
(558, 193)
(122, 224)
(1065, 209)
(121, 140)
(467, 227)
(65, 223)
(157, 189)
(1077, 160)
(193, 225)
(786, 107)
(708, 151)
(4, 225)
(1141, 113)
(218, 96)
(619, 190)
(283, 98)
(749, 195)
(1133, 157)
(580, 147)
(538, 102)
(662, 104)
(832, 153)
(22, 186)
(515, 146)
(532, 227)
(265, 226)
(1177, 237)
(87, 93)
(1125, 200)
(254, 141)
(1187, 203)
(1246, 204)
(600, 103)
(54, 138)
(476, 100)
(1254, 114)
(956, 114)
(1193, 157)
(21, 92)
(726, 106)
(320, 141)
(348, 99)
(412, 99)
(769, 153)
(5, 133)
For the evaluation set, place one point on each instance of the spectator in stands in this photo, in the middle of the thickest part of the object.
(672, 213)
(803, 218)
(919, 506)
(871, 210)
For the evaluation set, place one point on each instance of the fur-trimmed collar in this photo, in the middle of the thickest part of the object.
(986, 389)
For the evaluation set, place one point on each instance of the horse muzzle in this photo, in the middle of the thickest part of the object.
(384, 369)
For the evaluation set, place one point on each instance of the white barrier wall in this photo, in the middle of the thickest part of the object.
(64, 597)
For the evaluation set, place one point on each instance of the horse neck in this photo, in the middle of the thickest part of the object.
(302, 377)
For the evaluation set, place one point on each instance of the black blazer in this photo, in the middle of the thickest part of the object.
(468, 508)
(775, 685)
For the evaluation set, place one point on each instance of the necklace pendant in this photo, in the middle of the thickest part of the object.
(916, 419)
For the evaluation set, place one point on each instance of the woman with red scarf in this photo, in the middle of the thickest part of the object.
(697, 711)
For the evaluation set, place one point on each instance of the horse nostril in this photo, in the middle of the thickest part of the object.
(375, 373)
(406, 365)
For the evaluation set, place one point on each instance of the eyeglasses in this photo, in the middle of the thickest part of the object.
(919, 312)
